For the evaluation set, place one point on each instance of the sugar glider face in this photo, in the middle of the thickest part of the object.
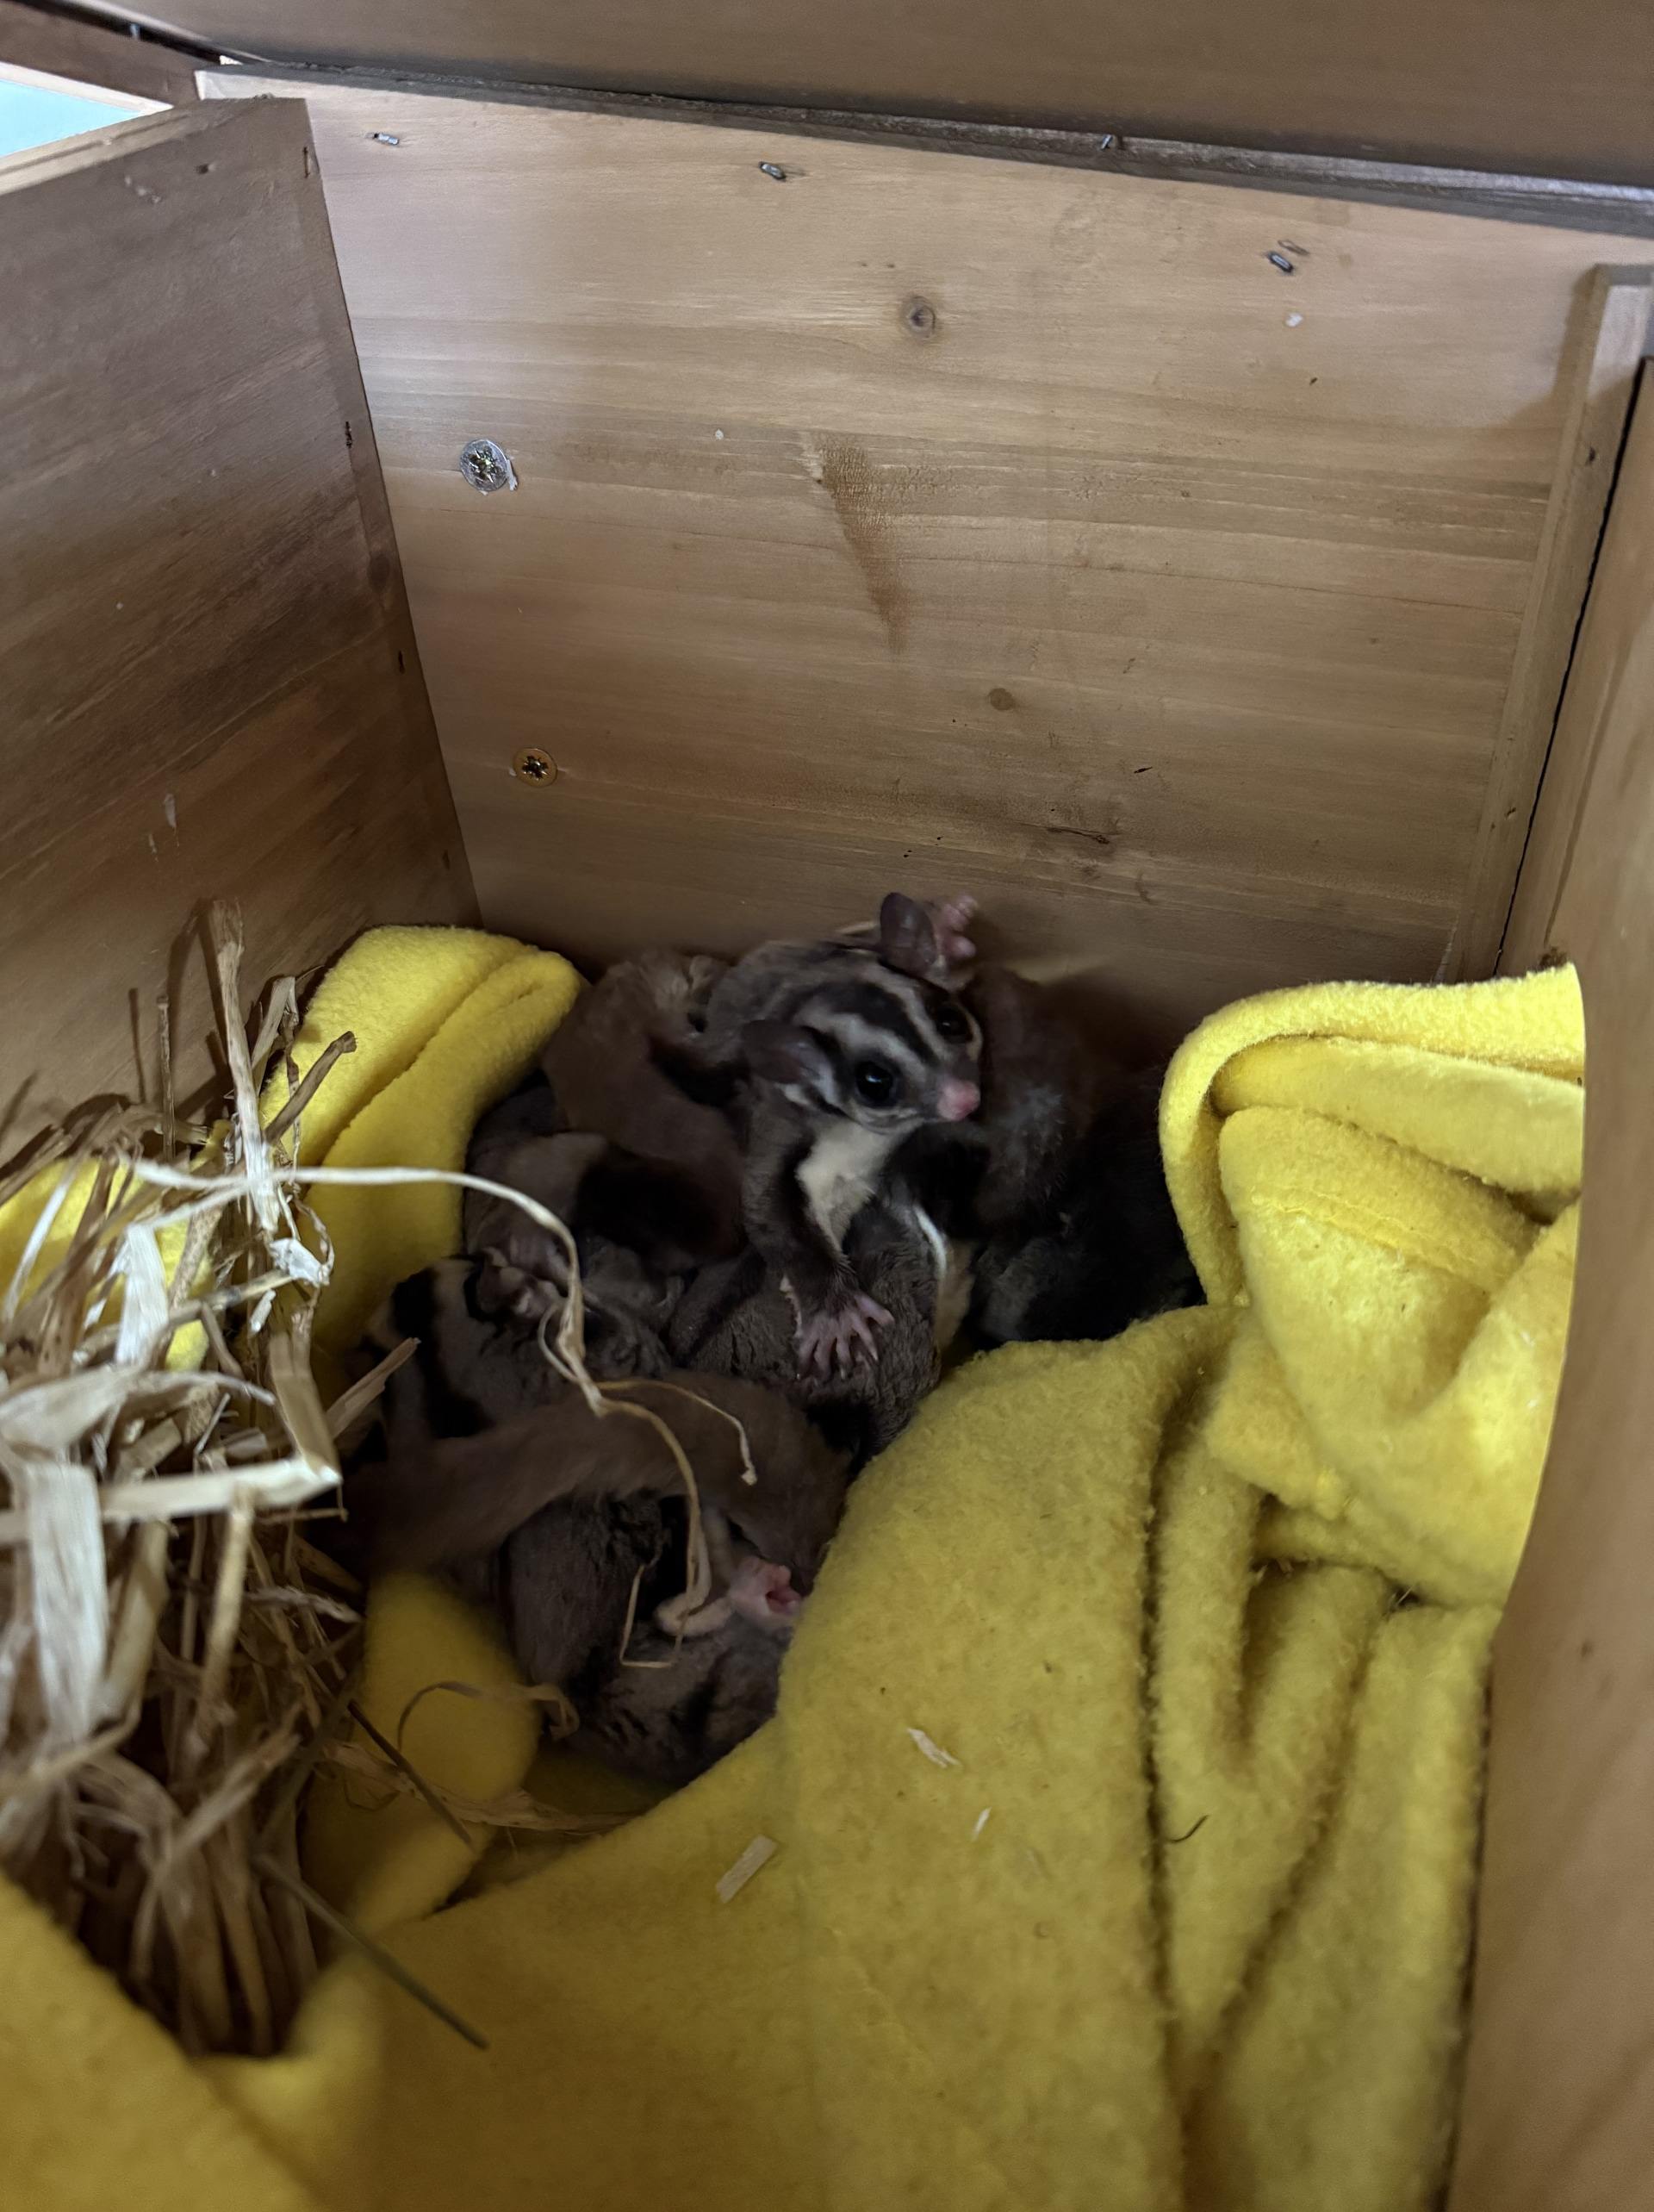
(886, 1051)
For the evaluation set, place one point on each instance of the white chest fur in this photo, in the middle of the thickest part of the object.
(842, 1172)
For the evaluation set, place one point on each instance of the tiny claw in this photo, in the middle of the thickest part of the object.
(837, 1339)
(504, 1288)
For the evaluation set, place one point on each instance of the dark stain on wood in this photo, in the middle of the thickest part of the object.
(862, 500)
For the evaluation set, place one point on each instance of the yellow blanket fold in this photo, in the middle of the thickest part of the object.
(1199, 1619)
(446, 1021)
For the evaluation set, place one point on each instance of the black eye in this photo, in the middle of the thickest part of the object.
(879, 1084)
(950, 1023)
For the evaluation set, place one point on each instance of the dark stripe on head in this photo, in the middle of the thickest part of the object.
(936, 997)
(881, 1007)
(826, 966)
(830, 1097)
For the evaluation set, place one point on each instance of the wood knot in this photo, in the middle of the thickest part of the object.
(918, 317)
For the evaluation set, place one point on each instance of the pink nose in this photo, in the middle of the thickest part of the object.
(957, 1101)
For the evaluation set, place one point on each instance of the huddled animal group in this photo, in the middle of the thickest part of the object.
(796, 1183)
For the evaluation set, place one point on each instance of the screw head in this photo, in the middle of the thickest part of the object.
(485, 466)
(534, 767)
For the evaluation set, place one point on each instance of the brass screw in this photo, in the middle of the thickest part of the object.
(533, 766)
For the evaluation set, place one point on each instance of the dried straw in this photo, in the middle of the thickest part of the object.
(176, 1661)
(148, 1711)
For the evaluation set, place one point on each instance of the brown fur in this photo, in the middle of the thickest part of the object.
(1045, 1077)
(478, 1361)
(560, 1519)
(448, 1499)
(603, 1065)
(1065, 1196)
(670, 1720)
(736, 1320)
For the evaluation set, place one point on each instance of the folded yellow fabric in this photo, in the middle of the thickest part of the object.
(446, 1021)
(1452, 1080)
(1383, 1182)
(1201, 1616)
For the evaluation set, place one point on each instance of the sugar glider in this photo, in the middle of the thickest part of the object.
(735, 1319)
(763, 1098)
(844, 1050)
(674, 1706)
(1056, 1184)
(569, 1525)
(665, 1181)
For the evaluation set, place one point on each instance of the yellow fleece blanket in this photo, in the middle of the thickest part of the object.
(1197, 1619)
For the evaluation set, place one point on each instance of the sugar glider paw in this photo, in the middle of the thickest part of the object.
(504, 1288)
(952, 918)
(840, 1337)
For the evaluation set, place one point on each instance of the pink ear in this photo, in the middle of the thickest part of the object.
(781, 1052)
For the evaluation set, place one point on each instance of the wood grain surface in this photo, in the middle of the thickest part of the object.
(212, 688)
(1594, 682)
(1618, 319)
(82, 52)
(1559, 2105)
(1498, 83)
(904, 519)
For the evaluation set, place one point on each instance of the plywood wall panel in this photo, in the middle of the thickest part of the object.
(79, 50)
(1526, 85)
(945, 518)
(1559, 2100)
(211, 686)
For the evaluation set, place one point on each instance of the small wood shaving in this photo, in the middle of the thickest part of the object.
(982, 1819)
(932, 1750)
(758, 1853)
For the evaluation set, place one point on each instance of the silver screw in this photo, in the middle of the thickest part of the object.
(487, 467)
